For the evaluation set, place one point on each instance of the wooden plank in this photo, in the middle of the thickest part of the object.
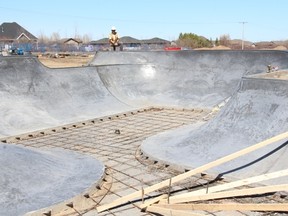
(153, 201)
(165, 211)
(279, 207)
(185, 175)
(232, 193)
(242, 182)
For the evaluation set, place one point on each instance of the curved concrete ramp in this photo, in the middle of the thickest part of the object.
(34, 97)
(32, 179)
(256, 112)
(151, 85)
(182, 79)
(244, 61)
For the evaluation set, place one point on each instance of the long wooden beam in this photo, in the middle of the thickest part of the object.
(279, 207)
(185, 175)
(153, 201)
(168, 212)
(232, 193)
(226, 186)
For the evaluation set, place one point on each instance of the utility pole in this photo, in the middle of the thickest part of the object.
(243, 23)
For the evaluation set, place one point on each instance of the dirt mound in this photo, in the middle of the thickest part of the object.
(214, 48)
(280, 48)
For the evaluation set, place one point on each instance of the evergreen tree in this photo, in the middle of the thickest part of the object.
(191, 40)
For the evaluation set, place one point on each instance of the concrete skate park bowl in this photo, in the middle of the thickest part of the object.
(251, 108)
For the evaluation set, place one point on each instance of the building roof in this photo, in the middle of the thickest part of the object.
(155, 40)
(125, 40)
(265, 44)
(66, 40)
(131, 40)
(13, 31)
(101, 41)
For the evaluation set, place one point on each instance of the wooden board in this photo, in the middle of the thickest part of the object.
(153, 201)
(165, 211)
(185, 175)
(279, 207)
(242, 182)
(232, 193)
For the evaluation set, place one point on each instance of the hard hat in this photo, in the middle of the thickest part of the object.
(113, 28)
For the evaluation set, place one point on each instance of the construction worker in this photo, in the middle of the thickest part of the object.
(114, 39)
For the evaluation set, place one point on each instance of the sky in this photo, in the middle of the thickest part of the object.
(251, 20)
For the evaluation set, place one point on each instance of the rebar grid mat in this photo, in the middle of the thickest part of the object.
(115, 140)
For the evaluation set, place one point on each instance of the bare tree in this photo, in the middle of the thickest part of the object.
(42, 38)
(86, 38)
(55, 36)
(224, 40)
(76, 34)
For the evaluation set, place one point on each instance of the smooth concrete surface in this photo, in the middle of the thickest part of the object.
(257, 111)
(32, 179)
(189, 79)
(34, 97)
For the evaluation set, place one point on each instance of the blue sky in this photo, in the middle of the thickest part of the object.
(264, 20)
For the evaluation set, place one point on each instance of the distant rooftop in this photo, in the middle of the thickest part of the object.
(129, 40)
(13, 31)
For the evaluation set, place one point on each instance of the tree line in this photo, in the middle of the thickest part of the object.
(55, 37)
(191, 40)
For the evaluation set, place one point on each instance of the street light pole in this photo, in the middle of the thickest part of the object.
(243, 34)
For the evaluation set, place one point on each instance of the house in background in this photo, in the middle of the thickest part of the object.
(70, 44)
(130, 43)
(101, 44)
(14, 35)
(156, 43)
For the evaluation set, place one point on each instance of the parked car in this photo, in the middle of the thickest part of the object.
(16, 51)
